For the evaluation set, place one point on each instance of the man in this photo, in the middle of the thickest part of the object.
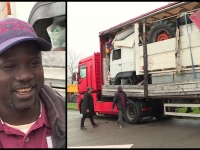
(32, 114)
(120, 99)
(87, 108)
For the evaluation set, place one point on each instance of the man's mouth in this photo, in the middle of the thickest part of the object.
(24, 90)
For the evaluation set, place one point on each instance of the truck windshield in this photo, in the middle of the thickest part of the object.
(83, 71)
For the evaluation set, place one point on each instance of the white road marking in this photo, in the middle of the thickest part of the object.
(106, 146)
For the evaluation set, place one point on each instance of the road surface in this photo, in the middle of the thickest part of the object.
(171, 133)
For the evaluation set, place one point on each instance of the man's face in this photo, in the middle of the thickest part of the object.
(90, 90)
(120, 91)
(21, 76)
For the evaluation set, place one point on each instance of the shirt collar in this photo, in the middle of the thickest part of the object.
(43, 118)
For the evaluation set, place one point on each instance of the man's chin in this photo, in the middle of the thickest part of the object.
(17, 106)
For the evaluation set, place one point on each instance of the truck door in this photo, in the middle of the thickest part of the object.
(115, 63)
(89, 75)
(82, 79)
(128, 59)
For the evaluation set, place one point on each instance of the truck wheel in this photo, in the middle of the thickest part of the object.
(132, 113)
(162, 30)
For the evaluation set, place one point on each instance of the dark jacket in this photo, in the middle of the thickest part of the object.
(118, 101)
(56, 111)
(87, 104)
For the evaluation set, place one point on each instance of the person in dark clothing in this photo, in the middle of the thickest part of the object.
(87, 108)
(120, 99)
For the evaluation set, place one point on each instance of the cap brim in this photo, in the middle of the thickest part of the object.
(41, 43)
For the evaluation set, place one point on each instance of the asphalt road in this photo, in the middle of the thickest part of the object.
(167, 133)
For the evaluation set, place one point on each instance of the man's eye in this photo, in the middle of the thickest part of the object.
(8, 67)
(35, 63)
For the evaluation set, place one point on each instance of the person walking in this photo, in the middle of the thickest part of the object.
(120, 100)
(87, 109)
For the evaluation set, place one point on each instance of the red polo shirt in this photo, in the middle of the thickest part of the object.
(38, 136)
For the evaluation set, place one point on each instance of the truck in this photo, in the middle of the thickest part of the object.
(154, 57)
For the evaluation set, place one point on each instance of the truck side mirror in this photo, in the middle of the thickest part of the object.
(74, 76)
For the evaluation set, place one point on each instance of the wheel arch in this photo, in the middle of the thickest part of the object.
(122, 75)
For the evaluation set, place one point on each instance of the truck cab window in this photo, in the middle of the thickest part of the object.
(83, 71)
(116, 54)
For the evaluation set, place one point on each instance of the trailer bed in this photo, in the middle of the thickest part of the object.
(185, 89)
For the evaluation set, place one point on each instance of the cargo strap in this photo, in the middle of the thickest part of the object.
(194, 74)
(177, 53)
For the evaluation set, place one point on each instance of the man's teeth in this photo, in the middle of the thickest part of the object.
(23, 90)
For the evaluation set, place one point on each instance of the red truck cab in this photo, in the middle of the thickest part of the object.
(90, 74)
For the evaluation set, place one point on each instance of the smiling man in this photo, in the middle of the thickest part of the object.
(32, 114)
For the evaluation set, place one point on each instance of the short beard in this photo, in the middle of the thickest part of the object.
(14, 107)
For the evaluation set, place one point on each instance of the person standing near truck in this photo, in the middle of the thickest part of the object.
(120, 99)
(87, 108)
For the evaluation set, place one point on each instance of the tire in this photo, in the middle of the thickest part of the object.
(162, 30)
(132, 113)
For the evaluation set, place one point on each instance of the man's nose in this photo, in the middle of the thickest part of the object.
(24, 74)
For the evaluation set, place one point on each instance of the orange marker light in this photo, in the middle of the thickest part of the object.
(8, 10)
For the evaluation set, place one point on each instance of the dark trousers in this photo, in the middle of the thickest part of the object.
(84, 117)
(120, 116)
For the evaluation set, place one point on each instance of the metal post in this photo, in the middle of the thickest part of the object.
(145, 61)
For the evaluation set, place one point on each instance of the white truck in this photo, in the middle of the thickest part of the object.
(41, 15)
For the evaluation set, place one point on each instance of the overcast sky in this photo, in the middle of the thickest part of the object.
(86, 19)
(22, 10)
